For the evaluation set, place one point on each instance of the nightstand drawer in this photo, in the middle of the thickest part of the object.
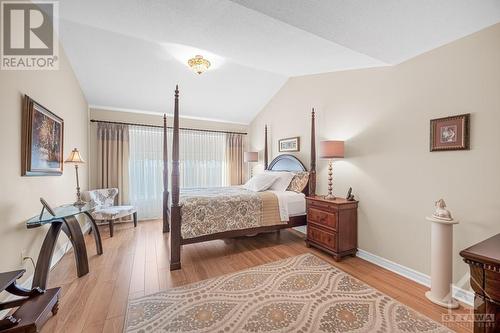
(328, 239)
(320, 205)
(321, 217)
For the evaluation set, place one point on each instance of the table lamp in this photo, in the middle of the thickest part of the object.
(76, 159)
(331, 149)
(250, 157)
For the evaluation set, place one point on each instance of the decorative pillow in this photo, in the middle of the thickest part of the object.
(260, 182)
(299, 181)
(283, 180)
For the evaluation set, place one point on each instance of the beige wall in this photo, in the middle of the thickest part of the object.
(149, 119)
(60, 92)
(383, 114)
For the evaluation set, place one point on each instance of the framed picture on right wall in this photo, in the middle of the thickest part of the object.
(450, 133)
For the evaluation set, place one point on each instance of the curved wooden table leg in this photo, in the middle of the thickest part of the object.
(72, 228)
(44, 258)
(97, 234)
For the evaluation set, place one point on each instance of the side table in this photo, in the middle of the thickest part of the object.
(65, 219)
(32, 309)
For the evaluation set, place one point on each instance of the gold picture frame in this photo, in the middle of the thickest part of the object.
(42, 141)
(450, 133)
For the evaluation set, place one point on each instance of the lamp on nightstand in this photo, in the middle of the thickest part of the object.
(250, 157)
(331, 149)
(76, 159)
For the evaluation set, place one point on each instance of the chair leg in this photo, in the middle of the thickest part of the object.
(135, 219)
(111, 228)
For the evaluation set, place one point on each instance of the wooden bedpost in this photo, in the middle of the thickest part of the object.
(166, 208)
(312, 171)
(266, 157)
(175, 225)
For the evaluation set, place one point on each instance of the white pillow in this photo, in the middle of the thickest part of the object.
(260, 182)
(283, 180)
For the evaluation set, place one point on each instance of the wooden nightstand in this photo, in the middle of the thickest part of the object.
(332, 226)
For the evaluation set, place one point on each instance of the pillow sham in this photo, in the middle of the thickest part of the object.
(283, 180)
(299, 181)
(260, 182)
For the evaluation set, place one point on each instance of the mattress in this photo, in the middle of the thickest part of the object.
(294, 203)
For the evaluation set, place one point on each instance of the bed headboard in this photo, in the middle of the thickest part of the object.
(286, 162)
(291, 163)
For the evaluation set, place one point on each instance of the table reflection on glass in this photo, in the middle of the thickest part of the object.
(64, 218)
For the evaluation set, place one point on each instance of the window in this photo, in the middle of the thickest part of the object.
(202, 159)
(202, 163)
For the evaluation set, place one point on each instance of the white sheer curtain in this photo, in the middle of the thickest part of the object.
(146, 170)
(202, 158)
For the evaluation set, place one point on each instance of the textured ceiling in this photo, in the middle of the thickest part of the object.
(389, 30)
(129, 54)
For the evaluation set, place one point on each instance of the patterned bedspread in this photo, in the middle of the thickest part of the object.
(207, 211)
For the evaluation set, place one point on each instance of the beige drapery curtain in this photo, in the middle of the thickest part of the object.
(112, 159)
(234, 158)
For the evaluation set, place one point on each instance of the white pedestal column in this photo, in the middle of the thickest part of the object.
(441, 263)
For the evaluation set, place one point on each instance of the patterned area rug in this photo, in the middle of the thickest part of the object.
(298, 294)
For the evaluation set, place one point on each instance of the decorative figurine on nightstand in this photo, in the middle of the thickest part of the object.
(350, 196)
(441, 212)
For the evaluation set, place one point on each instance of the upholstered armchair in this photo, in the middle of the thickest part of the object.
(104, 200)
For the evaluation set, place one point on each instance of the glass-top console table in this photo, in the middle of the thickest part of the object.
(64, 219)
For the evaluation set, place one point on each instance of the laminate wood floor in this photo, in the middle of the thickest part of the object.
(135, 263)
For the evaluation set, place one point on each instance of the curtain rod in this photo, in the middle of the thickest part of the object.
(159, 126)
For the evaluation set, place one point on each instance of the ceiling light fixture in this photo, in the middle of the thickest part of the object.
(199, 64)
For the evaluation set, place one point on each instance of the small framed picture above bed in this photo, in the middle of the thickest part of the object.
(289, 144)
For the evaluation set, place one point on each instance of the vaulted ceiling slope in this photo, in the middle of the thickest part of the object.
(129, 54)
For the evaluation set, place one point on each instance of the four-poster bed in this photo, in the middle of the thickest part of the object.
(172, 217)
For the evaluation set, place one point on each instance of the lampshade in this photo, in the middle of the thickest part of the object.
(251, 156)
(74, 157)
(331, 149)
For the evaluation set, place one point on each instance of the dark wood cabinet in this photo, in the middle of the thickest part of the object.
(332, 225)
(484, 261)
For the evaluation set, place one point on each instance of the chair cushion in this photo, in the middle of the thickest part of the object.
(101, 198)
(112, 213)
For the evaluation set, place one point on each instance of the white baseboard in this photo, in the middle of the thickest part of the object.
(56, 257)
(464, 296)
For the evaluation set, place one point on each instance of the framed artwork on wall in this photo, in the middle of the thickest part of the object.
(450, 133)
(289, 144)
(42, 141)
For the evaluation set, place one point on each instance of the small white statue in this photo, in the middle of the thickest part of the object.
(441, 212)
